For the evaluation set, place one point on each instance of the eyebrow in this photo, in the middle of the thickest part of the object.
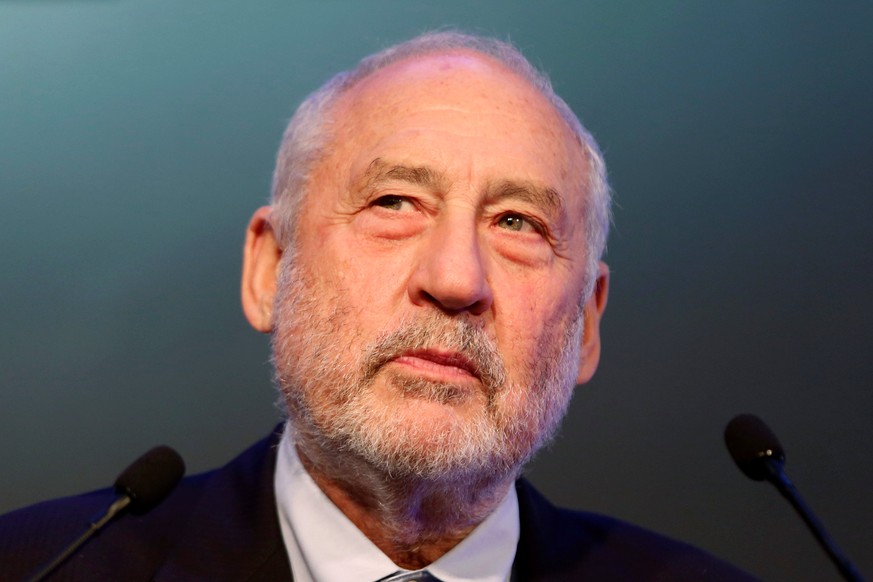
(379, 171)
(543, 197)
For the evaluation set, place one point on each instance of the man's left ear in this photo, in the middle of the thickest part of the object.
(261, 257)
(589, 355)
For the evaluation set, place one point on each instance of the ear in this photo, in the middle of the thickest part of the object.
(261, 256)
(589, 355)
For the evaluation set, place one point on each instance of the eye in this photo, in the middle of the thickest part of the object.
(516, 222)
(391, 202)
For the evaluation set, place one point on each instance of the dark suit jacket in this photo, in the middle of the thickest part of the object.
(223, 525)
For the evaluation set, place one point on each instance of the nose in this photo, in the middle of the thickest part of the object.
(450, 272)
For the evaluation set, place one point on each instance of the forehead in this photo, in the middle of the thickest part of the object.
(459, 77)
(463, 98)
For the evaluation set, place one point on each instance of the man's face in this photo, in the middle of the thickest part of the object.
(431, 317)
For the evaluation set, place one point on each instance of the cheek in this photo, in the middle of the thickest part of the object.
(519, 327)
(531, 321)
(365, 284)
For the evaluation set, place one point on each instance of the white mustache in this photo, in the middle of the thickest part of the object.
(441, 332)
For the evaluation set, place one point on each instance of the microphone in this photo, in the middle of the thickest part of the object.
(139, 488)
(150, 478)
(759, 455)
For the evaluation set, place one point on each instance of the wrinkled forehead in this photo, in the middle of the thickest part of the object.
(496, 101)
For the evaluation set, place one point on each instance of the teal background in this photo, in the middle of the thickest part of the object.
(136, 137)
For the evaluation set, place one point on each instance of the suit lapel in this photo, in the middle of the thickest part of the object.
(550, 548)
(233, 532)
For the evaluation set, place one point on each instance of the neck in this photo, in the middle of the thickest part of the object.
(411, 520)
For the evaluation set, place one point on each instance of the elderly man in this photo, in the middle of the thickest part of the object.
(430, 272)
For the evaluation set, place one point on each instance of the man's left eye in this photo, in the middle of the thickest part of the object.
(391, 202)
(514, 222)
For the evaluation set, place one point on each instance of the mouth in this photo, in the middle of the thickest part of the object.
(438, 365)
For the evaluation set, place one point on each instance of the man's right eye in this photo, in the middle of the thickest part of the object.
(390, 202)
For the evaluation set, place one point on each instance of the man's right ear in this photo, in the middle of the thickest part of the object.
(261, 257)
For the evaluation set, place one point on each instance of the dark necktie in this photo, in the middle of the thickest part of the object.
(423, 576)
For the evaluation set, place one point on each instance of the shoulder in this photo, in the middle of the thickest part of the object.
(198, 511)
(31, 536)
(562, 544)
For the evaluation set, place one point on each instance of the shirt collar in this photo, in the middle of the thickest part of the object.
(324, 545)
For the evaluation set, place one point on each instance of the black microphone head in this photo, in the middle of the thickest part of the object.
(150, 478)
(753, 446)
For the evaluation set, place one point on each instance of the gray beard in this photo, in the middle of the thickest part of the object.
(424, 483)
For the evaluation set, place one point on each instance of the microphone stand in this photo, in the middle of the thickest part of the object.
(118, 505)
(776, 475)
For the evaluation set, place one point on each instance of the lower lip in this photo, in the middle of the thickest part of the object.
(436, 370)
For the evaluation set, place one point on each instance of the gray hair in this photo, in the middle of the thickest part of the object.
(309, 133)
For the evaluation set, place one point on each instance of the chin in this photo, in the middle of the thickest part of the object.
(414, 436)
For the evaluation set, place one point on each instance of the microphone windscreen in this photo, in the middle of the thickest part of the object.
(150, 478)
(752, 445)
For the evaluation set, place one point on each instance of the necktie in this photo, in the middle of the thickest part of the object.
(422, 576)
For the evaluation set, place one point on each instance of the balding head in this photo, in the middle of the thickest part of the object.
(312, 131)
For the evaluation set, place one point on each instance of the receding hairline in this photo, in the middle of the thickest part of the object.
(312, 128)
(342, 110)
(345, 99)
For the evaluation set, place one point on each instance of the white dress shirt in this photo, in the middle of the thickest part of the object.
(323, 545)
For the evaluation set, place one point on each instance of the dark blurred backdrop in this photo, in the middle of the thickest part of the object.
(137, 136)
